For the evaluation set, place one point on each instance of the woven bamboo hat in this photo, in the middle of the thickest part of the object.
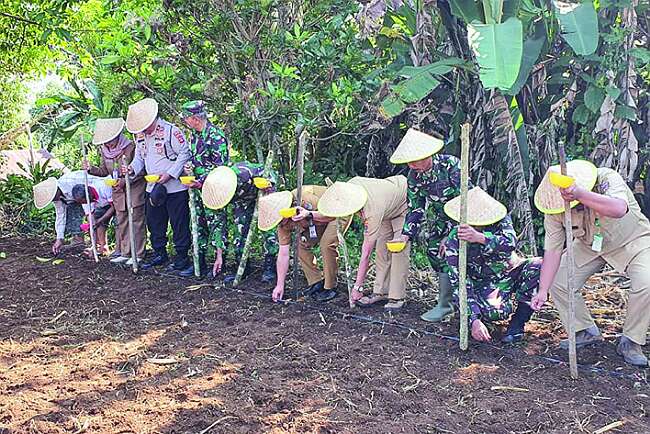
(107, 129)
(44, 192)
(415, 145)
(269, 207)
(342, 199)
(482, 209)
(141, 115)
(219, 187)
(548, 198)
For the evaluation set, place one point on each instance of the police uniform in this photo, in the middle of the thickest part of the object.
(625, 247)
(166, 151)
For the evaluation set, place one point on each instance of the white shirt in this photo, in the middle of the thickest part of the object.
(65, 183)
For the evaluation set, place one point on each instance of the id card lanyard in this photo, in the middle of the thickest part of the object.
(312, 227)
(597, 245)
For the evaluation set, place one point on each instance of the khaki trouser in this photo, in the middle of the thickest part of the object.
(391, 269)
(637, 320)
(328, 242)
(122, 231)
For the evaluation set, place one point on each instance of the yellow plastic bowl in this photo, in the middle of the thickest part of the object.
(187, 180)
(261, 183)
(287, 213)
(561, 181)
(151, 178)
(395, 246)
(110, 182)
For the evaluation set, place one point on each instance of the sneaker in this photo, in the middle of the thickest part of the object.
(394, 305)
(119, 260)
(631, 352)
(584, 338)
(325, 295)
(129, 262)
(313, 289)
(156, 261)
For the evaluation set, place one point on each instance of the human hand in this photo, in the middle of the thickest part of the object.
(121, 183)
(480, 332)
(538, 300)
(57, 246)
(401, 238)
(196, 184)
(278, 292)
(301, 214)
(572, 193)
(164, 178)
(469, 234)
(125, 170)
(218, 262)
(85, 165)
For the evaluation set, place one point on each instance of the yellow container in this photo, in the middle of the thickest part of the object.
(287, 213)
(261, 183)
(110, 182)
(395, 246)
(187, 180)
(151, 178)
(561, 181)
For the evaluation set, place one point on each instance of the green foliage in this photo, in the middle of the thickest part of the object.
(579, 24)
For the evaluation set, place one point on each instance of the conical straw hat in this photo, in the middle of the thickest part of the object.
(219, 187)
(107, 129)
(44, 192)
(415, 146)
(342, 199)
(141, 115)
(269, 207)
(482, 209)
(548, 198)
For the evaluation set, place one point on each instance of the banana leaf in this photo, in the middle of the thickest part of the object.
(579, 25)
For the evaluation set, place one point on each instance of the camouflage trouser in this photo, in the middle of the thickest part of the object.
(434, 235)
(518, 284)
(243, 215)
(211, 225)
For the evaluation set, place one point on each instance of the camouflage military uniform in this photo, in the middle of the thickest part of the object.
(243, 204)
(427, 194)
(209, 150)
(490, 268)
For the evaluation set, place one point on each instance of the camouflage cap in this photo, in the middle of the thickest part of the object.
(192, 108)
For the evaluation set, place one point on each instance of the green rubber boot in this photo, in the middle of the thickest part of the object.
(444, 306)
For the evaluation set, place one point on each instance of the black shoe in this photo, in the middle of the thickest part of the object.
(179, 264)
(515, 332)
(269, 275)
(325, 295)
(156, 261)
(189, 271)
(313, 289)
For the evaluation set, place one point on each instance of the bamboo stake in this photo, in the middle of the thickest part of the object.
(129, 211)
(344, 250)
(462, 253)
(570, 262)
(91, 218)
(300, 172)
(252, 228)
(194, 227)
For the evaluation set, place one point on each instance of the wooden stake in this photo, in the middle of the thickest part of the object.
(91, 218)
(570, 263)
(462, 253)
(129, 211)
(252, 229)
(300, 172)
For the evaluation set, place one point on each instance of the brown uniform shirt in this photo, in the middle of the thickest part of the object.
(623, 238)
(310, 196)
(386, 201)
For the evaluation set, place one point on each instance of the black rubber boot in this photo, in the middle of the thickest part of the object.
(189, 270)
(515, 331)
(269, 275)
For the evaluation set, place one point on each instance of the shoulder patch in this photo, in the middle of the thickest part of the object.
(179, 136)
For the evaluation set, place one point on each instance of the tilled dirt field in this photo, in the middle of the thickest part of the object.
(92, 348)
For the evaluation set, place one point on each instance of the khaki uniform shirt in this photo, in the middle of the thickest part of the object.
(310, 196)
(386, 201)
(623, 238)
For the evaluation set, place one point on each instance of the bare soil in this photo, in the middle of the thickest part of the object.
(88, 347)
